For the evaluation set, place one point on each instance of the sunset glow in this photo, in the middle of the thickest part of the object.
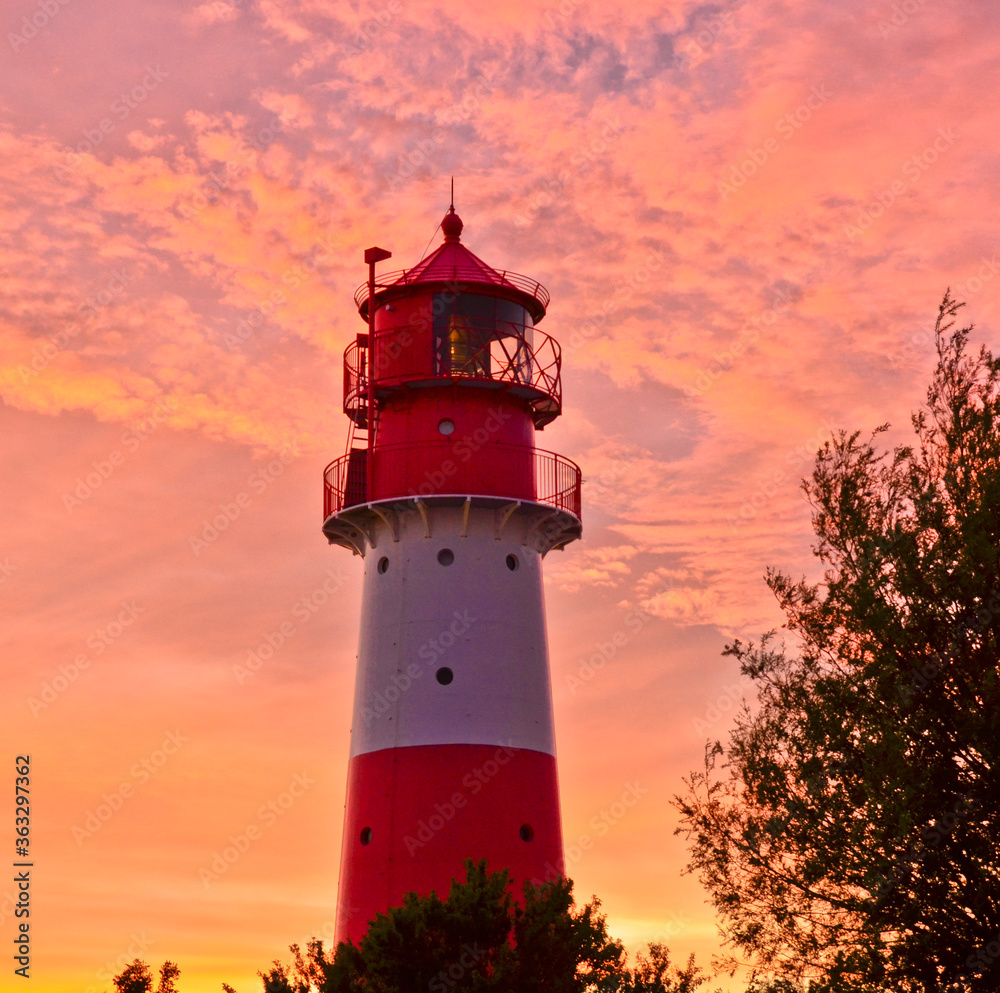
(746, 214)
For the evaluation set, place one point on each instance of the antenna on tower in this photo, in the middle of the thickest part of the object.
(452, 193)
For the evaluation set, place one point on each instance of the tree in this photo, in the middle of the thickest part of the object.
(134, 978)
(479, 939)
(168, 973)
(656, 975)
(849, 829)
(137, 978)
(476, 939)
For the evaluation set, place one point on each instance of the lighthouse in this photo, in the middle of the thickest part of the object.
(446, 496)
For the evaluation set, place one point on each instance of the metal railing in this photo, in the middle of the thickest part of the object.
(526, 359)
(356, 382)
(336, 495)
(557, 481)
(552, 479)
(459, 275)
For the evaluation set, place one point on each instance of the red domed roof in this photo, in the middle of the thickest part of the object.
(452, 263)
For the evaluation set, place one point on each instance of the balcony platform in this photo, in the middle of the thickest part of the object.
(358, 528)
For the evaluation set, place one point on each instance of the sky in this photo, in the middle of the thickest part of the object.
(746, 214)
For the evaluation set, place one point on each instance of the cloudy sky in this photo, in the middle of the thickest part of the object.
(746, 214)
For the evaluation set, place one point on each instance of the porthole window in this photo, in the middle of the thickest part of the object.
(512, 563)
(527, 832)
(366, 835)
(446, 556)
(444, 675)
(383, 564)
(446, 426)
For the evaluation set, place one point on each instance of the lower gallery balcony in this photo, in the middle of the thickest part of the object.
(360, 484)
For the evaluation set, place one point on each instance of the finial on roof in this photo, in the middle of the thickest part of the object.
(452, 224)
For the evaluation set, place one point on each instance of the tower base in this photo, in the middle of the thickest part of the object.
(415, 813)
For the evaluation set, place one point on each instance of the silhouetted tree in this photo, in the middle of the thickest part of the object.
(655, 974)
(136, 977)
(476, 939)
(479, 939)
(168, 973)
(849, 829)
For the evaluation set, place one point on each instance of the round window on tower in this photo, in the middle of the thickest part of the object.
(527, 832)
(383, 564)
(366, 835)
(512, 563)
(444, 675)
(446, 426)
(446, 556)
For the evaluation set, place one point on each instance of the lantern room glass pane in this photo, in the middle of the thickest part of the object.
(482, 337)
(514, 325)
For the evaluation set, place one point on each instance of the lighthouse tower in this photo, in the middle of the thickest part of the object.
(445, 495)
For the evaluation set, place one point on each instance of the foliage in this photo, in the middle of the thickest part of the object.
(137, 978)
(480, 940)
(656, 975)
(849, 830)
